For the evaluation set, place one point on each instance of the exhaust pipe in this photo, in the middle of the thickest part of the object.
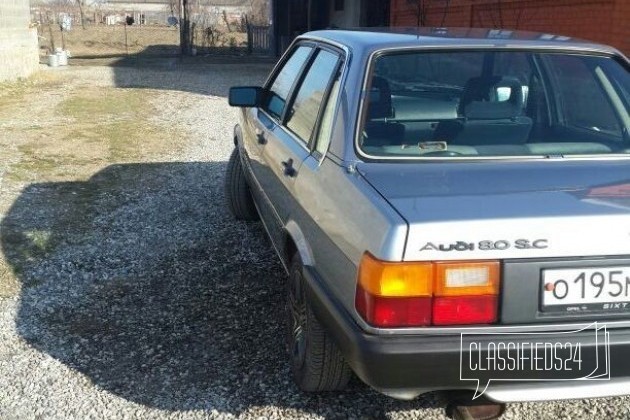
(461, 406)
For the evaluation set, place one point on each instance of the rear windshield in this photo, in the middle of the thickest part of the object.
(494, 104)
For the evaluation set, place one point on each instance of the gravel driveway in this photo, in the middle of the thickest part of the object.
(137, 296)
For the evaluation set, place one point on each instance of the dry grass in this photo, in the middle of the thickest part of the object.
(110, 39)
(98, 127)
(12, 93)
(103, 40)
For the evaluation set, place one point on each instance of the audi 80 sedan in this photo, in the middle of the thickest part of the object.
(452, 207)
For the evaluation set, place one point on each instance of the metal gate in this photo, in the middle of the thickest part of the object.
(260, 39)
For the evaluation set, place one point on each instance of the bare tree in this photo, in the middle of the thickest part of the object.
(501, 16)
(173, 6)
(259, 14)
(421, 10)
(81, 4)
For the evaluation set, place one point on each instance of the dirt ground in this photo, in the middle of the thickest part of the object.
(59, 127)
(126, 288)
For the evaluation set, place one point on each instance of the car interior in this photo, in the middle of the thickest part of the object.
(550, 106)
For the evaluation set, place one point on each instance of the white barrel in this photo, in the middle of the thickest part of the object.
(62, 57)
(53, 60)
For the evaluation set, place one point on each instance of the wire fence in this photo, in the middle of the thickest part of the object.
(209, 30)
(99, 40)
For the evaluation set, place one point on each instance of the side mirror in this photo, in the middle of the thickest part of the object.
(245, 96)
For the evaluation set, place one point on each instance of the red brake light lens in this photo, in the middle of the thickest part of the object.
(396, 312)
(457, 310)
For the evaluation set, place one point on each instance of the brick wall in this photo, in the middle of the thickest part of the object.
(18, 42)
(605, 21)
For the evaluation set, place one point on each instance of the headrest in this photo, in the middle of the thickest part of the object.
(379, 99)
(484, 98)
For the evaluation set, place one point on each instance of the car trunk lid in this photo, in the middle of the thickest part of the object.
(508, 209)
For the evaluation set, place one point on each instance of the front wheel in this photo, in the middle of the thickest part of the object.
(316, 362)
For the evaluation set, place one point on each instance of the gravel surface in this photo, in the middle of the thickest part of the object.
(140, 297)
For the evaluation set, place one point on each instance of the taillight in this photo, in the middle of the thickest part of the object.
(416, 294)
(394, 295)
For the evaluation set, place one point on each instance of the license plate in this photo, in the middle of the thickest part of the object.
(602, 289)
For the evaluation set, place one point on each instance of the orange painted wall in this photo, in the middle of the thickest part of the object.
(604, 21)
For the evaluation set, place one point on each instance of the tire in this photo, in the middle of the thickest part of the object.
(316, 363)
(237, 193)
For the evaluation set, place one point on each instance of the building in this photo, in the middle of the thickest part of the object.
(18, 40)
(158, 11)
(605, 21)
(293, 17)
(143, 11)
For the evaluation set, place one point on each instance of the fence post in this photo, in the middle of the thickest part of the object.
(184, 28)
(126, 43)
(250, 39)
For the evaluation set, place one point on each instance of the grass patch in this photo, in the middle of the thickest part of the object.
(104, 104)
(73, 140)
(116, 119)
(12, 93)
(109, 125)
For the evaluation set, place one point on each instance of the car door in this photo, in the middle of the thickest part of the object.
(287, 141)
(261, 124)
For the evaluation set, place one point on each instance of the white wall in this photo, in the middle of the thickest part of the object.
(18, 43)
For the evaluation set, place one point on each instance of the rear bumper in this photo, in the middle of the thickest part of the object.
(405, 366)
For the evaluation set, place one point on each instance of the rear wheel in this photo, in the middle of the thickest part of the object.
(316, 362)
(237, 193)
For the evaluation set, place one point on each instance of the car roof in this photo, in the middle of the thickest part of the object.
(370, 39)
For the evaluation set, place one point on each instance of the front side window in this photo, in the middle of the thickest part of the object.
(304, 110)
(495, 104)
(278, 94)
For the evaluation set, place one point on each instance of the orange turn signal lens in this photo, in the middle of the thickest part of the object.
(388, 279)
(466, 278)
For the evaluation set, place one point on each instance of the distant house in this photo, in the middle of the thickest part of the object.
(158, 11)
(143, 11)
(292, 17)
(18, 41)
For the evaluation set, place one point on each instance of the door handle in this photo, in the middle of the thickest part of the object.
(260, 137)
(289, 170)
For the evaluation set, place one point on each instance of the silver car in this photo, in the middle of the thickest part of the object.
(452, 207)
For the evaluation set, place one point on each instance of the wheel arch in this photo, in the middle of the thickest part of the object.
(295, 241)
(237, 134)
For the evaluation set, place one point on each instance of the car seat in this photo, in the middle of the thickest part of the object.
(378, 131)
(487, 119)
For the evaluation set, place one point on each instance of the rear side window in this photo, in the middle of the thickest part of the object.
(326, 126)
(310, 95)
(284, 80)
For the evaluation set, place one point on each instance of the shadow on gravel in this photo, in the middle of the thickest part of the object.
(140, 280)
(151, 70)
